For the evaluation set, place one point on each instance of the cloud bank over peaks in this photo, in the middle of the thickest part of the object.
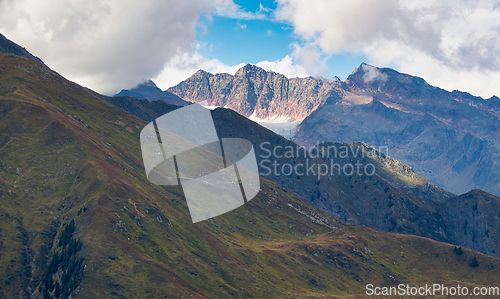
(108, 45)
(449, 43)
(103, 44)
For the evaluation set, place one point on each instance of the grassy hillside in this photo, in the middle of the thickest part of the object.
(69, 160)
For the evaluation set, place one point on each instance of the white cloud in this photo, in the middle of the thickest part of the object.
(264, 9)
(103, 44)
(229, 9)
(112, 44)
(182, 66)
(311, 57)
(371, 74)
(439, 39)
(284, 66)
(476, 81)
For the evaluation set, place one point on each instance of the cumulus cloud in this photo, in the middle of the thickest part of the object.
(311, 57)
(103, 44)
(183, 65)
(284, 66)
(450, 37)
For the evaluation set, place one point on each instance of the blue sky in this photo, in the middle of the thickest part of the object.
(108, 45)
(234, 41)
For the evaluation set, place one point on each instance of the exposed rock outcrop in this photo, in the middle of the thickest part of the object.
(254, 92)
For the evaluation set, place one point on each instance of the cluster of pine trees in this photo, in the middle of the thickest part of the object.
(65, 270)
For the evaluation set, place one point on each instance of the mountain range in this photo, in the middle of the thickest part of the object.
(361, 109)
(450, 138)
(254, 92)
(79, 219)
(394, 199)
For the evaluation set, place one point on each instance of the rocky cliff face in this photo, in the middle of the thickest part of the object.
(254, 92)
(473, 218)
(461, 111)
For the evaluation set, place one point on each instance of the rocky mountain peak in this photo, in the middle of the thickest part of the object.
(201, 73)
(149, 91)
(452, 138)
(373, 79)
(494, 101)
(250, 69)
(367, 74)
(149, 83)
(335, 79)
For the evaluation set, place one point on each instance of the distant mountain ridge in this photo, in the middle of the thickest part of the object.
(451, 138)
(410, 94)
(252, 91)
(149, 91)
